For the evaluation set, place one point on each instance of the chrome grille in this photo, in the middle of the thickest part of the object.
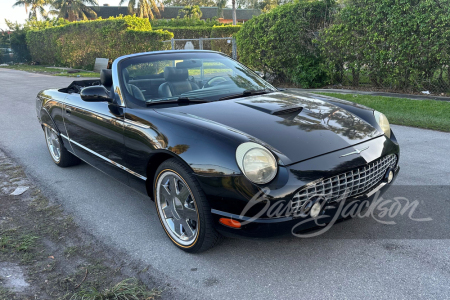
(353, 183)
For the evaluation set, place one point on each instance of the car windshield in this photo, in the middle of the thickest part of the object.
(187, 76)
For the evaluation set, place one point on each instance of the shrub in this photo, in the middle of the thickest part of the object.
(225, 30)
(78, 44)
(18, 36)
(281, 42)
(400, 44)
(183, 22)
(220, 32)
(188, 32)
(19, 46)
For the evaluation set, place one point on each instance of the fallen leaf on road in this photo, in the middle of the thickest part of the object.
(19, 190)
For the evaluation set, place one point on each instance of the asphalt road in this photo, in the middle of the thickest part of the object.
(281, 268)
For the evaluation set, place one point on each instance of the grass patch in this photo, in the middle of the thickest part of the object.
(126, 289)
(50, 71)
(59, 259)
(5, 294)
(428, 114)
(15, 244)
(70, 251)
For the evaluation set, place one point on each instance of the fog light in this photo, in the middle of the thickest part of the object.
(390, 176)
(315, 210)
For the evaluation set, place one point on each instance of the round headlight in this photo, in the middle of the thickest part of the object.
(256, 162)
(383, 122)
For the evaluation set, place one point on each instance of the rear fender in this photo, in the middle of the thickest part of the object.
(47, 120)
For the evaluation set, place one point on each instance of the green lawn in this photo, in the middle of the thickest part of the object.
(50, 71)
(429, 114)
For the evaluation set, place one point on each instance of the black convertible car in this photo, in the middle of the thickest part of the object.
(217, 147)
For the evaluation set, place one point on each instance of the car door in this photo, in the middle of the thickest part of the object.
(95, 132)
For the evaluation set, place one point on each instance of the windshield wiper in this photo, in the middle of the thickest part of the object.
(247, 93)
(180, 101)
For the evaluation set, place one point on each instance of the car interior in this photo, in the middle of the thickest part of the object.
(146, 82)
(176, 83)
(165, 79)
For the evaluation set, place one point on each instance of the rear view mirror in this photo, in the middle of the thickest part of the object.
(95, 94)
(189, 64)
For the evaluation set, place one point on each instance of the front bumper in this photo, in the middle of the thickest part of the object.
(269, 227)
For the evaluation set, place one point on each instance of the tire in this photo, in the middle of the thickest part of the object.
(59, 154)
(183, 209)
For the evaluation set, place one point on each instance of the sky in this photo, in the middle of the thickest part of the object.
(18, 13)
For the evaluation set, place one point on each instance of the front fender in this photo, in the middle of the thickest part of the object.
(47, 120)
(363, 112)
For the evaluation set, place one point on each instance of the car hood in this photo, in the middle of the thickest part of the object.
(296, 124)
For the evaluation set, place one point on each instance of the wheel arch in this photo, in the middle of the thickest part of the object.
(47, 120)
(155, 160)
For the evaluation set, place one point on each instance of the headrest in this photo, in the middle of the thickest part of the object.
(106, 77)
(126, 75)
(174, 74)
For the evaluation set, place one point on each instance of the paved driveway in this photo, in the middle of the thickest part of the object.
(281, 268)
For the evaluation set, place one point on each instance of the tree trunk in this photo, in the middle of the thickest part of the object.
(71, 16)
(355, 77)
(233, 3)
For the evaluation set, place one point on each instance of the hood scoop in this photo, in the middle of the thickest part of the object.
(275, 110)
(287, 111)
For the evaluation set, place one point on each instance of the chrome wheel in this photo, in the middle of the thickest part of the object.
(177, 208)
(53, 144)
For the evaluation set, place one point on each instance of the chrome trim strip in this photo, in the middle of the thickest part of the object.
(376, 189)
(138, 124)
(357, 151)
(107, 159)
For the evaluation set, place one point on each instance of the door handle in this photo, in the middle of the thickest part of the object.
(68, 111)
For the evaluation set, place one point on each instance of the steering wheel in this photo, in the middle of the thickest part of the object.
(216, 80)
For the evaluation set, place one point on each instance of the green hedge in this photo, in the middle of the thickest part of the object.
(225, 30)
(220, 32)
(77, 44)
(19, 47)
(281, 42)
(183, 22)
(18, 36)
(399, 44)
(188, 32)
(195, 32)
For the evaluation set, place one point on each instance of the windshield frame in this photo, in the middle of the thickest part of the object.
(125, 62)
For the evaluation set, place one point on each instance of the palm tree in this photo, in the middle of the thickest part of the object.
(144, 9)
(233, 4)
(73, 10)
(220, 5)
(191, 12)
(35, 6)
